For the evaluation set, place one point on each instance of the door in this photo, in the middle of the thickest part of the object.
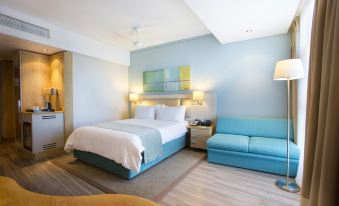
(7, 105)
(17, 101)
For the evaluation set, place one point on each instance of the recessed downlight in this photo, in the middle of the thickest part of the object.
(45, 50)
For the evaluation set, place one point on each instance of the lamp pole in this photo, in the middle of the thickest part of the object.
(285, 184)
(288, 130)
(287, 70)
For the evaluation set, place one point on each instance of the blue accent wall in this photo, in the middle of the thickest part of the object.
(240, 73)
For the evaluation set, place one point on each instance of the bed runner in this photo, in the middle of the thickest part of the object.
(150, 137)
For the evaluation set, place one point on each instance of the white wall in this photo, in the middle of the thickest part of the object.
(304, 49)
(100, 90)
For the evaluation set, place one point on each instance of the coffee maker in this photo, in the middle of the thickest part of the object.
(52, 100)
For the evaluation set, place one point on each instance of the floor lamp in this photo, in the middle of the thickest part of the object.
(289, 69)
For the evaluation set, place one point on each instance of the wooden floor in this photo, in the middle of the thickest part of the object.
(212, 184)
(208, 184)
(40, 176)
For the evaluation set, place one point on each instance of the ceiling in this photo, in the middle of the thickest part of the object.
(163, 21)
(9, 45)
(238, 20)
(111, 21)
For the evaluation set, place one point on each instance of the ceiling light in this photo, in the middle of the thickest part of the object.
(44, 50)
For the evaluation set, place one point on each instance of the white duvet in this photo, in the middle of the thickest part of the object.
(122, 147)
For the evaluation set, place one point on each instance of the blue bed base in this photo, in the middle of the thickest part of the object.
(111, 166)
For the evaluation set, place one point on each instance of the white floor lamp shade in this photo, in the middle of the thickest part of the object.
(289, 69)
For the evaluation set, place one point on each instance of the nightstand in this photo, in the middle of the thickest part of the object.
(199, 136)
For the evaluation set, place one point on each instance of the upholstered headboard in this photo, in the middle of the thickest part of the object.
(168, 100)
(205, 111)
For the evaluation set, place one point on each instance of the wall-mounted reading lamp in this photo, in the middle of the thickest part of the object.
(134, 97)
(198, 98)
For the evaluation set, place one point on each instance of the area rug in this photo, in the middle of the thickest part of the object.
(151, 184)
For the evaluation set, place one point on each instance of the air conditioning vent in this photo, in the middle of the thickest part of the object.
(23, 26)
(48, 146)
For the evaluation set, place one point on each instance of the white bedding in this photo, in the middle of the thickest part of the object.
(122, 147)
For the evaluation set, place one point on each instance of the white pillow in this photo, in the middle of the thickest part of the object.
(157, 107)
(176, 114)
(144, 112)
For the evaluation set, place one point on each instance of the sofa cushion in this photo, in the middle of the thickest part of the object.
(272, 147)
(231, 142)
(259, 127)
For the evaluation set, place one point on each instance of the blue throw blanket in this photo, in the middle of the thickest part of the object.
(150, 137)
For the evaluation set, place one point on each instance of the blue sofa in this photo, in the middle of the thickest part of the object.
(253, 143)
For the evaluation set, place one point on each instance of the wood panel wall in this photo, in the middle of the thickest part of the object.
(57, 77)
(39, 71)
(35, 75)
(68, 94)
(7, 104)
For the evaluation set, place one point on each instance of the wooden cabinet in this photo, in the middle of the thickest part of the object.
(199, 136)
(42, 132)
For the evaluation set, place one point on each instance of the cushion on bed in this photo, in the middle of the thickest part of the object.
(176, 114)
(144, 112)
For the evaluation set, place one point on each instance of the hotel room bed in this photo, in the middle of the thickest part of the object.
(121, 152)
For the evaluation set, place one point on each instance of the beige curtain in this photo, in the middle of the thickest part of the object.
(295, 35)
(321, 167)
(295, 38)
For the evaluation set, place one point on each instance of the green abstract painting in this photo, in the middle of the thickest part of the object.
(185, 77)
(167, 80)
(154, 81)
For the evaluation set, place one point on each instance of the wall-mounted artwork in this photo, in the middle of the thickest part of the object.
(167, 80)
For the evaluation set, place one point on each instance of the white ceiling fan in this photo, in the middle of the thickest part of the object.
(137, 44)
(133, 37)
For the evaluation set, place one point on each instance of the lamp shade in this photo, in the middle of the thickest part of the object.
(289, 69)
(198, 96)
(133, 97)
